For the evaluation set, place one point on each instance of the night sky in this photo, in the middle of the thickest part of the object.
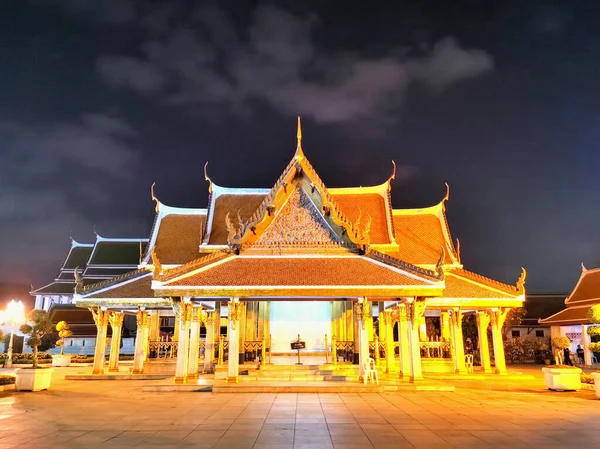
(98, 99)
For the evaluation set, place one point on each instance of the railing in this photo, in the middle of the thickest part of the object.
(435, 349)
(162, 349)
(342, 349)
(379, 353)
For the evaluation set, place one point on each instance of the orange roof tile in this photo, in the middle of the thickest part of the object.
(246, 204)
(296, 271)
(137, 285)
(179, 238)
(570, 315)
(587, 289)
(420, 238)
(459, 282)
(369, 204)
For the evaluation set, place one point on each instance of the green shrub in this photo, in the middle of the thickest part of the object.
(6, 379)
(586, 379)
(561, 342)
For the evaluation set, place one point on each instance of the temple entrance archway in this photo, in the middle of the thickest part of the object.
(310, 319)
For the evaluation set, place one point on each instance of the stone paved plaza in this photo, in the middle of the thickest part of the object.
(117, 414)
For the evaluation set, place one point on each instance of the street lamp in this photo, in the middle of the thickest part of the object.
(14, 314)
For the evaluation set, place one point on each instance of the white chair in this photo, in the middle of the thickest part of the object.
(370, 371)
(469, 363)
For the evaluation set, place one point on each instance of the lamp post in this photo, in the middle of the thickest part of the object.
(15, 314)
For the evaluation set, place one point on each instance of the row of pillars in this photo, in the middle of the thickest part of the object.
(410, 317)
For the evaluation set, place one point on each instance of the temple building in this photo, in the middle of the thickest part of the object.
(337, 269)
(573, 320)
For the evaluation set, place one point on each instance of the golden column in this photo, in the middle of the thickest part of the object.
(388, 323)
(116, 322)
(209, 344)
(497, 318)
(183, 310)
(233, 307)
(404, 339)
(457, 337)
(362, 312)
(483, 321)
(415, 311)
(143, 324)
(193, 355)
(101, 320)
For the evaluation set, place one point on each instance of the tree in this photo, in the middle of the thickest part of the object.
(593, 331)
(63, 332)
(40, 326)
(513, 318)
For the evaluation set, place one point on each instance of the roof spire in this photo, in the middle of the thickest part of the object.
(299, 152)
(154, 197)
(206, 178)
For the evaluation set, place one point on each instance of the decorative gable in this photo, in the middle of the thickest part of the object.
(299, 222)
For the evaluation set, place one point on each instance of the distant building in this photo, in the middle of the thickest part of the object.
(573, 321)
(103, 260)
(538, 306)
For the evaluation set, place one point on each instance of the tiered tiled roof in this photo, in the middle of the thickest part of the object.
(244, 203)
(420, 236)
(179, 238)
(465, 284)
(569, 316)
(295, 271)
(587, 289)
(358, 202)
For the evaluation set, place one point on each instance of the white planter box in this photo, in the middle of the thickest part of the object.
(596, 377)
(562, 379)
(33, 379)
(61, 360)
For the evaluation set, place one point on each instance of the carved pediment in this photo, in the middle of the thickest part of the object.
(299, 222)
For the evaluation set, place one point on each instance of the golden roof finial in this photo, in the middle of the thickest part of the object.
(154, 197)
(447, 196)
(299, 152)
(521, 280)
(156, 263)
(206, 178)
(583, 268)
(391, 178)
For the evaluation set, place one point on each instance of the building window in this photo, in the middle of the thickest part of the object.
(516, 334)
(539, 333)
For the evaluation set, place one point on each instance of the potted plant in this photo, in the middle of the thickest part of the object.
(545, 353)
(35, 378)
(562, 377)
(62, 359)
(593, 331)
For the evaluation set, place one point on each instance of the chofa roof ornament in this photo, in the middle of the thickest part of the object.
(521, 281)
(206, 178)
(154, 197)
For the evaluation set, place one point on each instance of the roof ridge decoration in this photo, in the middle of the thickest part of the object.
(397, 263)
(91, 288)
(157, 266)
(154, 198)
(520, 286)
(583, 268)
(440, 264)
(296, 167)
(207, 179)
(299, 153)
(193, 265)
(480, 278)
(78, 281)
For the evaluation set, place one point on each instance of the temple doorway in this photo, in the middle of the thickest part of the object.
(310, 319)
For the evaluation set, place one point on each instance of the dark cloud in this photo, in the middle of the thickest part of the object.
(208, 62)
(46, 171)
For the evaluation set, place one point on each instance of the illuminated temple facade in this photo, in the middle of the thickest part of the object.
(340, 267)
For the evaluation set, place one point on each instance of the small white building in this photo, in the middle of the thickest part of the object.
(573, 321)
